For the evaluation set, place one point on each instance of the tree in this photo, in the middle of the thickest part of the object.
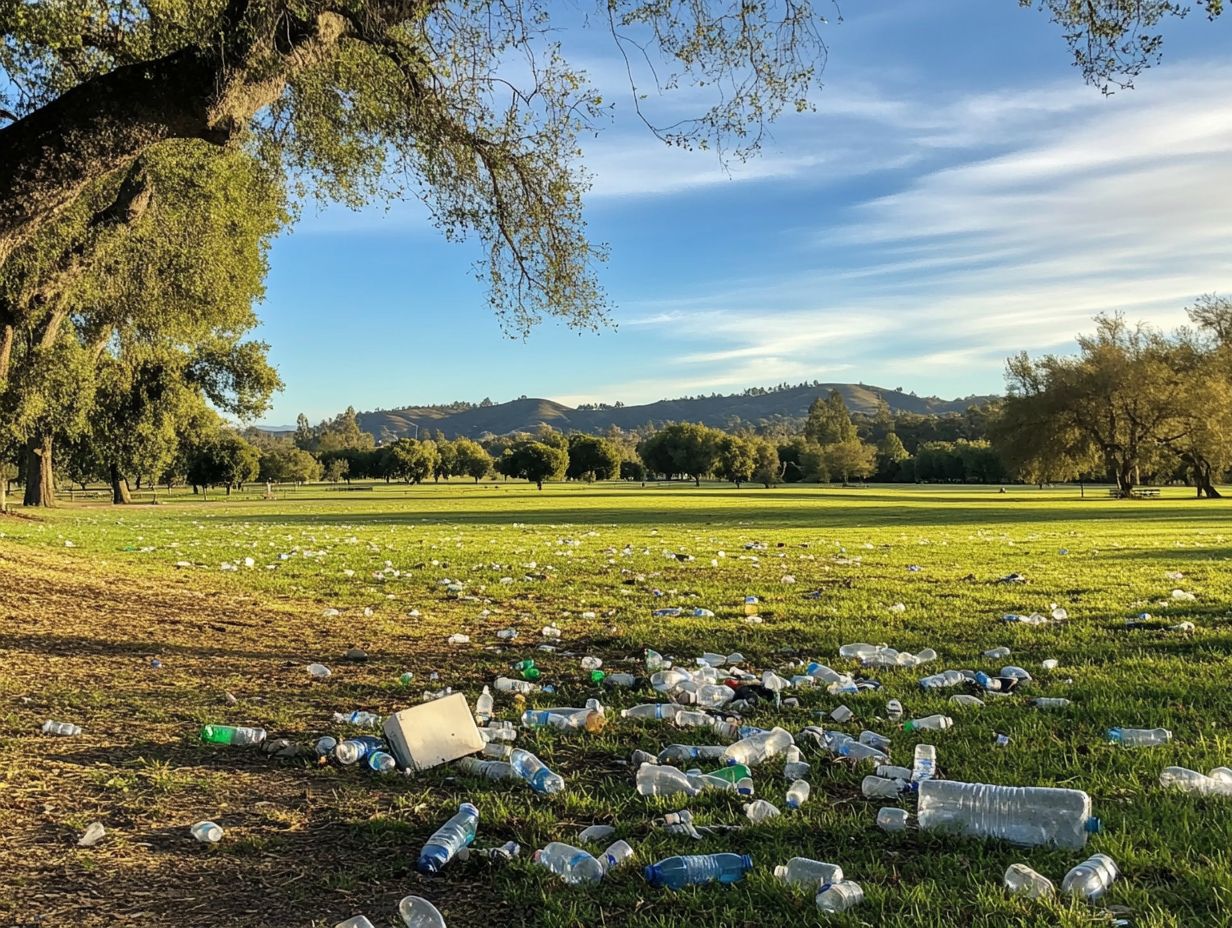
(305, 435)
(342, 433)
(737, 459)
(829, 422)
(801, 461)
(533, 461)
(283, 462)
(337, 469)
(446, 459)
(890, 454)
(411, 460)
(850, 458)
(767, 470)
(471, 459)
(225, 459)
(682, 448)
(592, 458)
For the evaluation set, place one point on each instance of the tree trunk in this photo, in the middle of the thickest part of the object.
(40, 483)
(697, 480)
(539, 484)
(1202, 474)
(4, 491)
(6, 350)
(119, 487)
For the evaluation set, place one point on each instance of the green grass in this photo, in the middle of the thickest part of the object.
(320, 844)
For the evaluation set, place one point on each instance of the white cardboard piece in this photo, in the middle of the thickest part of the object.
(433, 733)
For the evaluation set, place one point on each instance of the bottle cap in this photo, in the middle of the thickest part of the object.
(1093, 825)
(747, 862)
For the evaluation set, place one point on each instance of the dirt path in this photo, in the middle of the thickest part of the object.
(303, 843)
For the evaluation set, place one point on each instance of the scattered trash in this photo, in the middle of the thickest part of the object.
(834, 898)
(798, 794)
(596, 834)
(891, 819)
(93, 834)
(1049, 702)
(1021, 880)
(206, 832)
(760, 810)
(1139, 737)
(433, 733)
(319, 671)
(808, 873)
(535, 772)
(418, 912)
(924, 765)
(1029, 815)
(571, 864)
(65, 729)
(929, 723)
(1091, 878)
(450, 838)
(692, 870)
(228, 734)
(1217, 783)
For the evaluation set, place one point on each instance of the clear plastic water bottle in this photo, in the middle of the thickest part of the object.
(380, 762)
(664, 780)
(229, 734)
(754, 749)
(620, 679)
(797, 770)
(872, 739)
(808, 873)
(1029, 815)
(693, 869)
(890, 819)
(798, 794)
(535, 772)
(484, 706)
(564, 719)
(655, 661)
(206, 832)
(893, 773)
(834, 898)
(687, 719)
(651, 710)
(450, 838)
(1219, 783)
(881, 787)
(359, 718)
(509, 685)
(1021, 880)
(924, 765)
(353, 750)
(1049, 702)
(967, 701)
(1091, 878)
(67, 729)
(497, 750)
(615, 854)
(994, 653)
(857, 751)
(929, 723)
(1139, 737)
(683, 753)
(593, 834)
(571, 864)
(418, 912)
(760, 810)
(356, 921)
(488, 769)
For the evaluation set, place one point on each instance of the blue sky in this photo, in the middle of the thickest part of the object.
(958, 195)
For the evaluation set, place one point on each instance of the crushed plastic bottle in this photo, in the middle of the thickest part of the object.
(615, 854)
(596, 834)
(655, 661)
(488, 769)
(450, 838)
(760, 810)
(682, 753)
(1091, 878)
(66, 729)
(1217, 783)
(651, 710)
(1139, 737)
(358, 718)
(1051, 664)
(587, 719)
(874, 740)
(228, 734)
(842, 714)
(966, 701)
(798, 794)
(571, 864)
(881, 787)
(693, 869)
(535, 772)
(93, 834)
(509, 685)
(929, 723)
(206, 832)
(1028, 815)
(924, 764)
(484, 705)
(834, 898)
(857, 751)
(999, 651)
(890, 819)
(893, 773)
(1021, 880)
(758, 747)
(808, 873)
(380, 762)
(664, 780)
(458, 638)
(319, 671)
(797, 770)
(353, 750)
(418, 912)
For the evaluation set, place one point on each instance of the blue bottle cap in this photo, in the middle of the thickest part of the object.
(1093, 825)
(651, 872)
(746, 861)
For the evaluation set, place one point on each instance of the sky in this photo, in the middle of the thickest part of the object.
(958, 194)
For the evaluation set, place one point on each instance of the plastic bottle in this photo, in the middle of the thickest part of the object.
(1219, 783)
(483, 714)
(798, 794)
(797, 770)
(355, 921)
(1091, 878)
(663, 780)
(353, 750)
(682, 753)
(759, 810)
(571, 864)
(1029, 815)
(535, 772)
(881, 788)
(319, 671)
(1139, 737)
(834, 898)
(854, 750)
(890, 819)
(693, 869)
(488, 769)
(508, 685)
(842, 714)
(94, 833)
(967, 701)
(655, 661)
(325, 746)
(380, 762)
(874, 740)
(620, 679)
(754, 749)
(565, 719)
(228, 734)
(893, 773)
(894, 710)
(732, 774)
(68, 729)
(418, 912)
(1021, 880)
(614, 855)
(651, 710)
(929, 723)
(994, 653)
(1049, 702)
(591, 663)
(687, 719)
(809, 873)
(924, 765)
(713, 695)
(498, 750)
(359, 718)
(206, 832)
(450, 838)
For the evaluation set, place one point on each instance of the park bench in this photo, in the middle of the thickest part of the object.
(1137, 493)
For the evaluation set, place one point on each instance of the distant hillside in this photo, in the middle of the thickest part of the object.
(526, 415)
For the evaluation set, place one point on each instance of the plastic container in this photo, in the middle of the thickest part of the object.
(418, 912)
(206, 832)
(756, 748)
(450, 838)
(535, 772)
(1139, 737)
(571, 864)
(228, 734)
(693, 869)
(1021, 880)
(1028, 815)
(663, 780)
(760, 810)
(881, 787)
(798, 794)
(834, 898)
(65, 729)
(808, 873)
(1091, 878)
(929, 723)
(924, 766)
(891, 819)
(682, 753)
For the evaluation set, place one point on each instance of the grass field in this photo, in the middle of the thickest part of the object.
(90, 593)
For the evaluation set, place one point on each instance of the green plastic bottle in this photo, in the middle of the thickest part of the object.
(596, 676)
(229, 734)
(733, 774)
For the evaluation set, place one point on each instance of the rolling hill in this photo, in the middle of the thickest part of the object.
(526, 415)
